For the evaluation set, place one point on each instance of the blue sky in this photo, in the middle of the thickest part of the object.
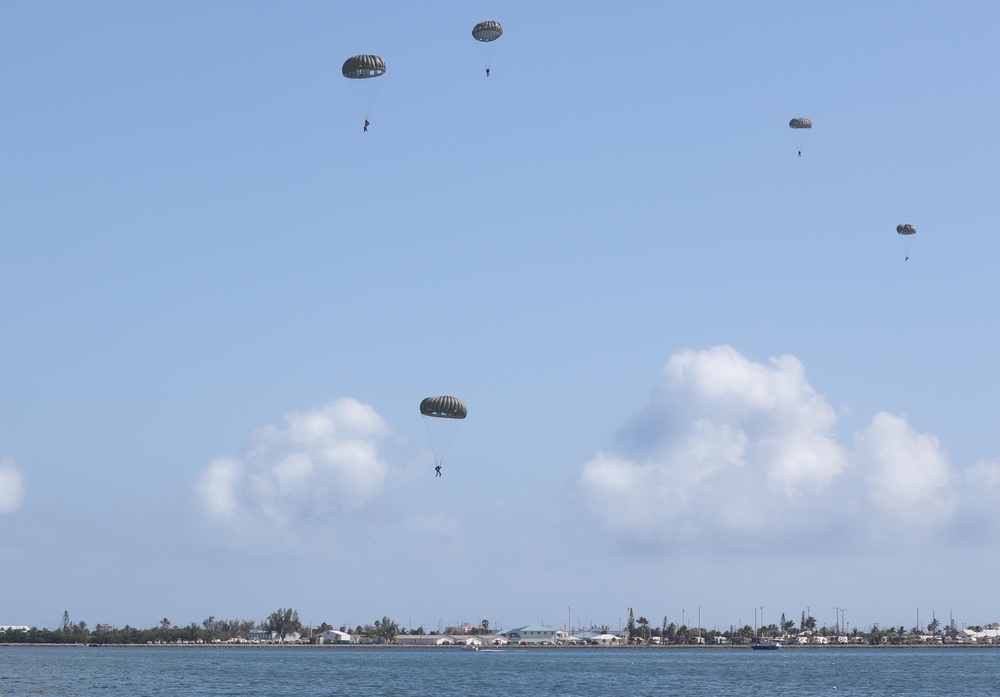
(698, 370)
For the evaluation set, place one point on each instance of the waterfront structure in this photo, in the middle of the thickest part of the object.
(531, 634)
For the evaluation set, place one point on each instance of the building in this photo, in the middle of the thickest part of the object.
(531, 634)
(333, 636)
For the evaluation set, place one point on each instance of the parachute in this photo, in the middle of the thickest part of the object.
(359, 70)
(361, 67)
(487, 31)
(441, 418)
(798, 125)
(444, 407)
(906, 232)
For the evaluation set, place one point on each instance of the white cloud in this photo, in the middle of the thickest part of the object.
(907, 474)
(11, 486)
(723, 445)
(731, 454)
(318, 464)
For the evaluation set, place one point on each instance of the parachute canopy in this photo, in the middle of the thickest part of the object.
(800, 123)
(444, 407)
(360, 67)
(906, 229)
(487, 31)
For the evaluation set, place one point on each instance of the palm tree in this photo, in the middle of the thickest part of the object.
(386, 630)
(644, 626)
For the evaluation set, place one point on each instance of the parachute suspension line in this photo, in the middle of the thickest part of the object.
(440, 446)
(371, 104)
(365, 109)
(486, 53)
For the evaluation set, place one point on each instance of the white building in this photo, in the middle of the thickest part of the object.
(333, 636)
(531, 634)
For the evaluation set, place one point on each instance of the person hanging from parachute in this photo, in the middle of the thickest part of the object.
(486, 33)
(798, 124)
(359, 70)
(442, 415)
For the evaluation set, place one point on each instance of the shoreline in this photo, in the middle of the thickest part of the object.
(671, 647)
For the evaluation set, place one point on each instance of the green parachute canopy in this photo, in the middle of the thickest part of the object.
(362, 66)
(487, 31)
(444, 407)
(800, 123)
(906, 229)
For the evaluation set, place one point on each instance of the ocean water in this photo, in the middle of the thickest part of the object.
(382, 672)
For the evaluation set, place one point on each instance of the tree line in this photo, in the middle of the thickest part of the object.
(280, 625)
(642, 630)
(284, 623)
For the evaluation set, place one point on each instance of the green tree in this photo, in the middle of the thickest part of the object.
(485, 626)
(631, 626)
(283, 621)
(386, 630)
(643, 626)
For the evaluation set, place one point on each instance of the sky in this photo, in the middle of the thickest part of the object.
(700, 370)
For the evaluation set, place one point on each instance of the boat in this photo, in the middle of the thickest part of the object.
(766, 645)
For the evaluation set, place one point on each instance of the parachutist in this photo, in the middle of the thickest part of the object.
(366, 125)
(800, 153)
(437, 471)
(906, 259)
(487, 72)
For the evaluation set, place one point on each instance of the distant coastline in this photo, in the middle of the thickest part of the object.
(529, 647)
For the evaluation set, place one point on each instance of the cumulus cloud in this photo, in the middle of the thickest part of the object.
(11, 486)
(907, 474)
(727, 447)
(318, 464)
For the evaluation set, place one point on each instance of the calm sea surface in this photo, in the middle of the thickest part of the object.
(364, 672)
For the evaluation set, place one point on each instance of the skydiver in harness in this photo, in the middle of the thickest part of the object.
(487, 72)
(366, 125)
(437, 471)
